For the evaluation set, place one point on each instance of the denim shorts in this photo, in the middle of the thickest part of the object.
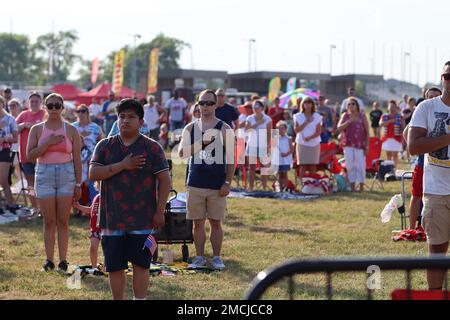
(54, 180)
(6, 156)
(284, 168)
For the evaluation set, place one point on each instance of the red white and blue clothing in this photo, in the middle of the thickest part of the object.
(392, 134)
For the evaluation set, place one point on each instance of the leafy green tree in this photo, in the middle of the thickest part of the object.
(169, 56)
(15, 57)
(58, 47)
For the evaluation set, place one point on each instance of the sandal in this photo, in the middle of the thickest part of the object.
(63, 266)
(49, 266)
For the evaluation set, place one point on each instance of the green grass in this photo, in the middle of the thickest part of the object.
(258, 234)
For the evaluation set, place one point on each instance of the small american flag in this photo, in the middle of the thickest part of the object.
(151, 244)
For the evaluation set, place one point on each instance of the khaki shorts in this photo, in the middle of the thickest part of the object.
(436, 218)
(205, 203)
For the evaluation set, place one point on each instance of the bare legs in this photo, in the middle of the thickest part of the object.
(4, 174)
(93, 251)
(435, 278)
(56, 218)
(393, 156)
(283, 180)
(31, 193)
(118, 282)
(414, 208)
(216, 236)
(252, 177)
(200, 235)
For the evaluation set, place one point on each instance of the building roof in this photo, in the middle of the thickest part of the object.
(188, 73)
(361, 77)
(283, 75)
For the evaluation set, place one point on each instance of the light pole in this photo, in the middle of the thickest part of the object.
(406, 54)
(331, 58)
(250, 41)
(134, 67)
(319, 62)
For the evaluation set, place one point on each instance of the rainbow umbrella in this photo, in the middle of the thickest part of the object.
(296, 94)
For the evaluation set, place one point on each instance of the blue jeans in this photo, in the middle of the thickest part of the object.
(174, 125)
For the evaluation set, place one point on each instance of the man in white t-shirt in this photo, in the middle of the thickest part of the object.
(352, 93)
(152, 116)
(430, 135)
(94, 110)
(176, 107)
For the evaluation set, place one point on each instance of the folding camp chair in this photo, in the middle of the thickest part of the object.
(373, 162)
(328, 160)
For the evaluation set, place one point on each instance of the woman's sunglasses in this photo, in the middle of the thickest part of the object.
(206, 103)
(81, 111)
(51, 106)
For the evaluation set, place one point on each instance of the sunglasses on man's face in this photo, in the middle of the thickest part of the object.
(446, 76)
(206, 103)
(57, 106)
(81, 111)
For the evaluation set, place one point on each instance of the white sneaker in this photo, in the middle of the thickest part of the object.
(198, 262)
(218, 263)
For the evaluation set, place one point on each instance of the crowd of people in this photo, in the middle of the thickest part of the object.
(119, 146)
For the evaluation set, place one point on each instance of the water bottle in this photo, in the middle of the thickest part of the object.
(393, 204)
(277, 186)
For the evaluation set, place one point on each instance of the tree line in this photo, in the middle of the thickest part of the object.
(51, 59)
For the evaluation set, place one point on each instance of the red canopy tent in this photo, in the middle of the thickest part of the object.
(101, 92)
(68, 91)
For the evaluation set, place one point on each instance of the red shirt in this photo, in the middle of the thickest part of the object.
(94, 214)
(27, 116)
(275, 118)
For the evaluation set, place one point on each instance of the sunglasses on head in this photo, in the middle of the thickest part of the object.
(446, 76)
(206, 103)
(82, 111)
(57, 106)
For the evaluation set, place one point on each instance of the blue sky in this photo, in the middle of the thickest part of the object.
(289, 35)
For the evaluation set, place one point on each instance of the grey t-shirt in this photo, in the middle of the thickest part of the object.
(176, 109)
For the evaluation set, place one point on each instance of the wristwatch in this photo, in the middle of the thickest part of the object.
(78, 185)
(227, 182)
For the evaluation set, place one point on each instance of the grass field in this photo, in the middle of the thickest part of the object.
(258, 234)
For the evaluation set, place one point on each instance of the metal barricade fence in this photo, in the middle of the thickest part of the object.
(269, 277)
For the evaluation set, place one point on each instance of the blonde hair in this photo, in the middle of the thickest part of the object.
(83, 106)
(282, 123)
(54, 95)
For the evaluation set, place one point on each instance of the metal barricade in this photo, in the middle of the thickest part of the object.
(268, 278)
